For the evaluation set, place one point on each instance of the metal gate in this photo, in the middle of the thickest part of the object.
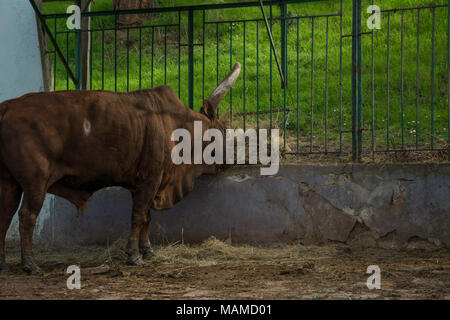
(339, 86)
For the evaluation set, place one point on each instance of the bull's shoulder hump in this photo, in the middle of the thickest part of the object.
(166, 93)
(164, 89)
(161, 98)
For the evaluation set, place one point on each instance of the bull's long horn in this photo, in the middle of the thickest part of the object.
(225, 86)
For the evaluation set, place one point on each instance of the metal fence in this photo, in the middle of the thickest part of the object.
(338, 87)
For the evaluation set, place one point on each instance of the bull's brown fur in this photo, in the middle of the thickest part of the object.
(73, 143)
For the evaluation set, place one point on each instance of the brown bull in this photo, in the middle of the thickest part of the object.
(73, 143)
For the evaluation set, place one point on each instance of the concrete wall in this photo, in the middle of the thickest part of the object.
(370, 205)
(20, 59)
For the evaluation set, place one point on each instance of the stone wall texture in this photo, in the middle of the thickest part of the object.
(368, 205)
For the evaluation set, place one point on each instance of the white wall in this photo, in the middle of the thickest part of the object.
(20, 59)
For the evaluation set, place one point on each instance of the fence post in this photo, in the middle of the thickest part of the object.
(191, 57)
(356, 82)
(78, 49)
(448, 78)
(284, 43)
(85, 42)
(45, 54)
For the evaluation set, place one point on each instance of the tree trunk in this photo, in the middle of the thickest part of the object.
(47, 70)
(134, 19)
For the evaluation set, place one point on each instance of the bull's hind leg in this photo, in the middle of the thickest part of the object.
(144, 243)
(9, 201)
(30, 165)
(140, 219)
(31, 206)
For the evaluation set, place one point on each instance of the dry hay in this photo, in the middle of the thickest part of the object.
(210, 252)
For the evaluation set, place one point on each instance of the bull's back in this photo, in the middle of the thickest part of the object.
(99, 133)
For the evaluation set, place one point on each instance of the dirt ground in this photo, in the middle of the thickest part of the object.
(216, 270)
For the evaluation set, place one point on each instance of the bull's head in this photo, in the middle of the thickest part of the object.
(180, 179)
(210, 107)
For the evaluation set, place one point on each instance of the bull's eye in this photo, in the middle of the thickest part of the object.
(86, 127)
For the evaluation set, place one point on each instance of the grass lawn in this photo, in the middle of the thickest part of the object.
(313, 95)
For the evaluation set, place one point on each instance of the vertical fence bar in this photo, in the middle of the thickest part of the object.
(448, 80)
(103, 59)
(67, 59)
(191, 57)
(140, 57)
(128, 59)
(231, 66)
(153, 55)
(372, 84)
(417, 79)
(243, 76)
(115, 53)
(340, 74)
(402, 79)
(55, 57)
(432, 77)
(284, 42)
(283, 7)
(203, 53)
(388, 80)
(311, 115)
(217, 54)
(298, 84)
(257, 75)
(359, 69)
(284, 114)
(78, 55)
(270, 67)
(90, 60)
(179, 54)
(165, 55)
(326, 88)
(356, 81)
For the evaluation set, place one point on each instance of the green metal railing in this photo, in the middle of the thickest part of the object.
(306, 93)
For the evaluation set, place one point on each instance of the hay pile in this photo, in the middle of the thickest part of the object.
(210, 252)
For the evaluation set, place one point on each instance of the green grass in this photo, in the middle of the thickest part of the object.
(255, 87)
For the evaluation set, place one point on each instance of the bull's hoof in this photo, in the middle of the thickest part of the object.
(132, 250)
(146, 250)
(135, 260)
(148, 255)
(29, 266)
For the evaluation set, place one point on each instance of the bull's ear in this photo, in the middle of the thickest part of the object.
(211, 105)
(208, 110)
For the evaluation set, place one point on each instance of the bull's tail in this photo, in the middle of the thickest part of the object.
(2, 110)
